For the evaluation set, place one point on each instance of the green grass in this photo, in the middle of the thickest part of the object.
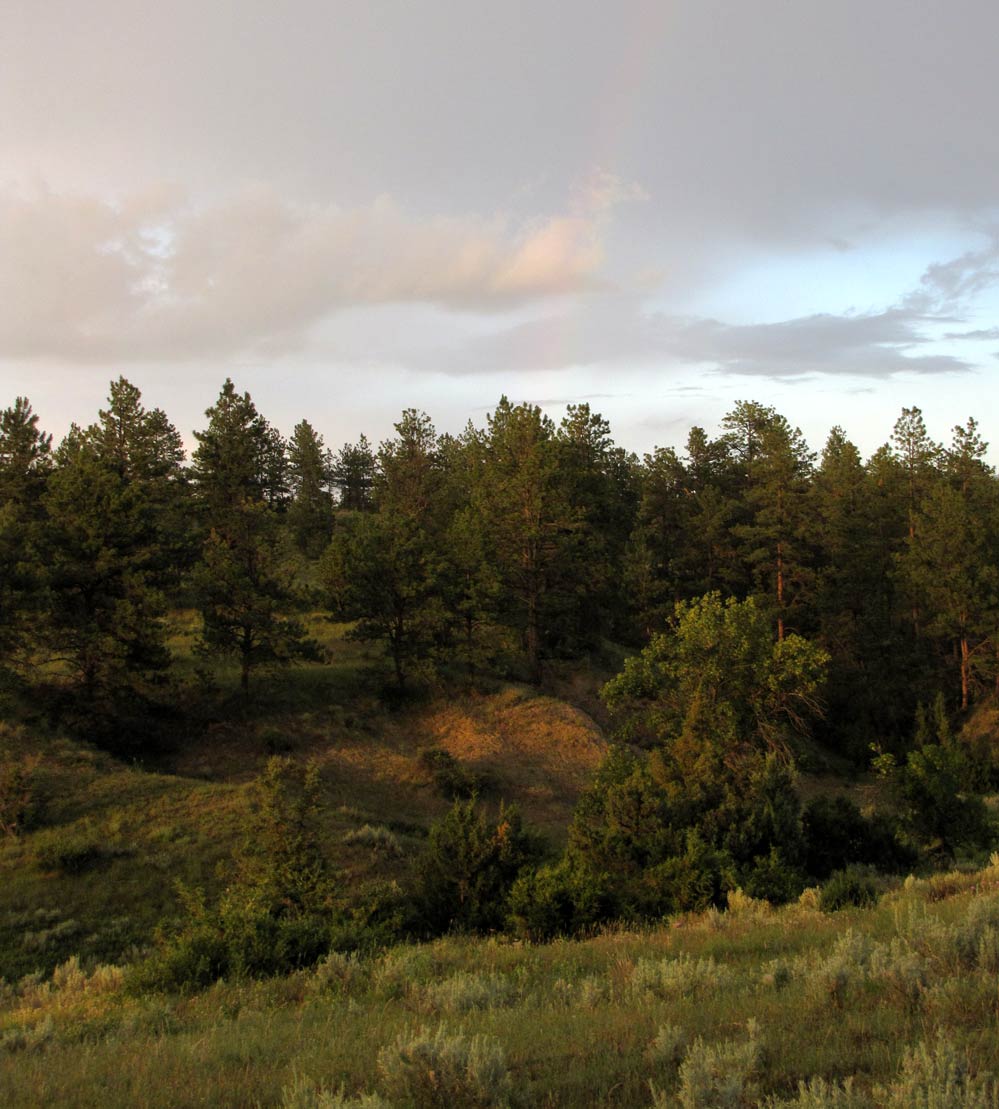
(575, 1021)
(94, 875)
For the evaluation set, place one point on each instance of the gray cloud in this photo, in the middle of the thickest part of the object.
(949, 285)
(981, 334)
(617, 332)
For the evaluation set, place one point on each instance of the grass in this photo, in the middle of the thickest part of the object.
(94, 871)
(623, 1018)
(563, 1024)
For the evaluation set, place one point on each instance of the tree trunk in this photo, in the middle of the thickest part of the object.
(965, 671)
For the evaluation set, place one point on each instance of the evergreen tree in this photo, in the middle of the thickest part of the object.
(950, 561)
(235, 460)
(387, 570)
(354, 472)
(382, 572)
(245, 591)
(310, 513)
(777, 466)
(243, 583)
(521, 503)
(601, 488)
(25, 464)
(104, 571)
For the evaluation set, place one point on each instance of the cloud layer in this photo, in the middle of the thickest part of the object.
(154, 278)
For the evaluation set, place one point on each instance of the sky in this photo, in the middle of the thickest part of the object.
(659, 208)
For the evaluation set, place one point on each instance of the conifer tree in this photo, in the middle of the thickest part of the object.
(354, 472)
(108, 550)
(242, 582)
(25, 464)
(310, 512)
(521, 503)
(950, 561)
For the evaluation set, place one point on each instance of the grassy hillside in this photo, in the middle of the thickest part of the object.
(725, 1009)
(95, 869)
(718, 1009)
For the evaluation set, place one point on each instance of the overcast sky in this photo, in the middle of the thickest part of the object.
(352, 208)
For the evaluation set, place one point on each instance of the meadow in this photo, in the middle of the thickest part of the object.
(894, 1005)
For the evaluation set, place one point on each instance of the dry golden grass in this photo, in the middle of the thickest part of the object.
(541, 752)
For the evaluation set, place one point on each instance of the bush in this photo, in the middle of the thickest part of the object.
(450, 778)
(19, 800)
(562, 899)
(379, 838)
(306, 1094)
(939, 1077)
(275, 915)
(681, 977)
(853, 886)
(463, 992)
(438, 1070)
(939, 814)
(75, 850)
(717, 1076)
(695, 880)
(773, 878)
(469, 866)
(837, 835)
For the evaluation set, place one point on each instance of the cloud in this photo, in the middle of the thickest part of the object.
(618, 333)
(153, 277)
(946, 285)
(981, 334)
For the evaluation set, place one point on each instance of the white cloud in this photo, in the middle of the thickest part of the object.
(151, 277)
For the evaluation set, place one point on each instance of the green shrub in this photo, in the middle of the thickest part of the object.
(303, 1093)
(853, 886)
(380, 839)
(938, 1076)
(558, 900)
(697, 879)
(276, 914)
(817, 1093)
(463, 992)
(773, 878)
(684, 976)
(75, 850)
(939, 813)
(469, 867)
(838, 835)
(451, 779)
(19, 793)
(339, 973)
(716, 1076)
(438, 1070)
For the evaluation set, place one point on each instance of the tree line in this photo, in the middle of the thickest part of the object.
(494, 551)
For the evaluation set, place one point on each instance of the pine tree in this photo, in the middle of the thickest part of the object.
(235, 459)
(242, 582)
(246, 594)
(777, 466)
(354, 472)
(523, 509)
(25, 464)
(310, 513)
(949, 564)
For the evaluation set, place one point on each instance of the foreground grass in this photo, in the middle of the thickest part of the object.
(769, 998)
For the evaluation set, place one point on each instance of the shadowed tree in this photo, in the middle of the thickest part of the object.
(110, 548)
(25, 464)
(242, 582)
(354, 472)
(521, 503)
(310, 512)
